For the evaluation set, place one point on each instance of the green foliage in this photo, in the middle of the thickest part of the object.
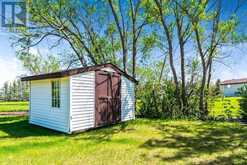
(216, 88)
(15, 91)
(225, 108)
(243, 103)
(148, 43)
(36, 63)
(156, 95)
(157, 100)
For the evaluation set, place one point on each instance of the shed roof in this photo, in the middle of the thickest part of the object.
(70, 72)
(234, 81)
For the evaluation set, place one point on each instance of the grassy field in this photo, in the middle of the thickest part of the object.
(223, 108)
(141, 141)
(13, 106)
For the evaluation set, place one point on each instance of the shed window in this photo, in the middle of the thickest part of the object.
(55, 91)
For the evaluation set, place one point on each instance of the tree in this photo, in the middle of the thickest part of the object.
(122, 30)
(139, 20)
(130, 18)
(210, 32)
(6, 91)
(183, 34)
(15, 91)
(163, 13)
(94, 34)
(78, 24)
(36, 63)
(217, 89)
(176, 27)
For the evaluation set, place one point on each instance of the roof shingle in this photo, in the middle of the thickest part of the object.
(234, 81)
(70, 72)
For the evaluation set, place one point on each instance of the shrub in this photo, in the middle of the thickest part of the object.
(156, 101)
(243, 102)
(225, 108)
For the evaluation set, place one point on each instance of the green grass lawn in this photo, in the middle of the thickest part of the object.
(13, 106)
(141, 141)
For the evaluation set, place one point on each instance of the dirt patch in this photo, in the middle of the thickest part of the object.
(16, 113)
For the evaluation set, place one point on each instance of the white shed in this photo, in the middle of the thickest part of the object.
(83, 98)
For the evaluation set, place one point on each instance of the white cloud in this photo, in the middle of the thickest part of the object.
(234, 66)
(9, 69)
(233, 71)
(33, 50)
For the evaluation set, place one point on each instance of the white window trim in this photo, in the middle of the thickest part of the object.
(56, 108)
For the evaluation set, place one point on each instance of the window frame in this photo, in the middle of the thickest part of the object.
(55, 94)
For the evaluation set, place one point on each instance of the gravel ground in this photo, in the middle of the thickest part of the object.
(16, 113)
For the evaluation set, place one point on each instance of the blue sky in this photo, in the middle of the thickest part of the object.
(234, 66)
(10, 67)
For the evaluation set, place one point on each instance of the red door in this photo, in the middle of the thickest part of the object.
(107, 98)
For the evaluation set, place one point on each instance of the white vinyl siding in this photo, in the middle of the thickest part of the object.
(82, 101)
(127, 99)
(231, 90)
(42, 113)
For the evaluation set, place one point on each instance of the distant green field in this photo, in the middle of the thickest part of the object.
(219, 108)
(224, 108)
(13, 106)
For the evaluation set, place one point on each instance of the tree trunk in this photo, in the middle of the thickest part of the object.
(122, 33)
(134, 42)
(133, 10)
(202, 102)
(182, 63)
(203, 109)
(209, 73)
(134, 52)
(183, 88)
(125, 56)
(181, 41)
(173, 69)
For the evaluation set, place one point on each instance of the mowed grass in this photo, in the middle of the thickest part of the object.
(13, 106)
(141, 142)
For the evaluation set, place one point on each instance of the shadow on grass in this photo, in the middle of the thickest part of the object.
(103, 134)
(18, 127)
(196, 140)
(9, 119)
